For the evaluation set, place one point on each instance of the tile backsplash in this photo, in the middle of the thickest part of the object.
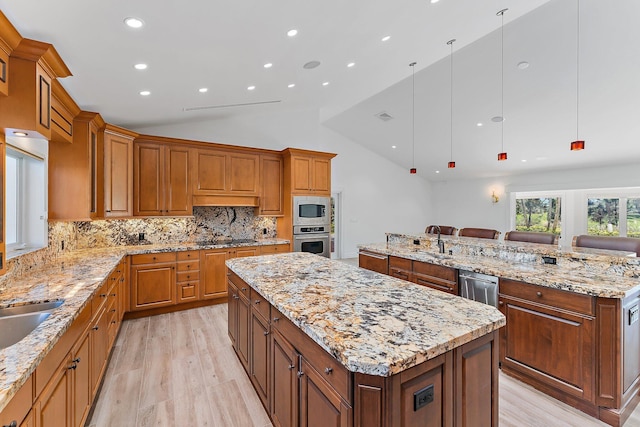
(207, 223)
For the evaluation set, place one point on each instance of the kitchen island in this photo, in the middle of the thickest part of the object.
(341, 345)
(573, 328)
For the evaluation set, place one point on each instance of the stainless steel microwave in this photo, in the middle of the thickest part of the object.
(311, 210)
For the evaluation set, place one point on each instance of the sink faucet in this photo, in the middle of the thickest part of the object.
(440, 242)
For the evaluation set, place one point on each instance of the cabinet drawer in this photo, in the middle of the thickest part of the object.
(273, 249)
(187, 276)
(437, 271)
(193, 265)
(100, 297)
(243, 288)
(436, 283)
(188, 291)
(400, 263)
(328, 367)
(153, 258)
(563, 300)
(260, 304)
(188, 255)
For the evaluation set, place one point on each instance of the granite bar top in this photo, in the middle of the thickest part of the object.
(372, 323)
(568, 277)
(74, 278)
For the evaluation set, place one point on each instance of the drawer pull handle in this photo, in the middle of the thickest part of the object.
(113, 311)
(13, 423)
(539, 294)
(113, 322)
(328, 371)
(300, 374)
(275, 319)
(257, 301)
(76, 360)
(291, 366)
(265, 333)
(236, 297)
(74, 366)
(95, 328)
(244, 289)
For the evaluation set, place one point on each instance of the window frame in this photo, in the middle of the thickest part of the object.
(19, 157)
(539, 195)
(622, 194)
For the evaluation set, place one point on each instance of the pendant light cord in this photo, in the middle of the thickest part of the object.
(578, 70)
(413, 114)
(450, 43)
(501, 13)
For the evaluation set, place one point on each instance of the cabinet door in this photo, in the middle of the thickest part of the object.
(242, 342)
(210, 172)
(321, 176)
(214, 273)
(81, 380)
(271, 199)
(244, 177)
(118, 175)
(4, 73)
(148, 186)
(232, 313)
(259, 357)
(555, 347)
(284, 382)
(29, 421)
(99, 342)
(374, 262)
(153, 286)
(177, 192)
(53, 407)
(320, 405)
(43, 102)
(301, 174)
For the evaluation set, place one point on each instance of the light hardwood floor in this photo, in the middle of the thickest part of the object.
(179, 369)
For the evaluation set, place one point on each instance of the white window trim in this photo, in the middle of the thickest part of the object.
(539, 195)
(622, 194)
(19, 244)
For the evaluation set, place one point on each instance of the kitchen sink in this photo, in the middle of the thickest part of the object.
(18, 322)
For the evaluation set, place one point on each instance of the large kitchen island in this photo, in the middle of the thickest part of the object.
(326, 343)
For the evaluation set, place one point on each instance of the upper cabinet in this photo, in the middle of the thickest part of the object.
(3, 252)
(309, 172)
(225, 178)
(271, 180)
(32, 66)
(75, 172)
(63, 111)
(161, 184)
(9, 40)
(118, 171)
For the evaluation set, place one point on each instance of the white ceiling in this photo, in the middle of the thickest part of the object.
(222, 45)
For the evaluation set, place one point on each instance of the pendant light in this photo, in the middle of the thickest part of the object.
(578, 144)
(451, 164)
(503, 154)
(413, 169)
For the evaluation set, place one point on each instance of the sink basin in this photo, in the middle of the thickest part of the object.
(30, 308)
(18, 322)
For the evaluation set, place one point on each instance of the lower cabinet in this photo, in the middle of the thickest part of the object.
(153, 281)
(320, 404)
(284, 382)
(373, 261)
(54, 406)
(81, 380)
(259, 356)
(423, 273)
(214, 273)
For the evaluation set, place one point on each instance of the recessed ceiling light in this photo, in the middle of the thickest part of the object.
(393, 146)
(18, 133)
(140, 66)
(524, 160)
(291, 85)
(497, 119)
(203, 90)
(251, 88)
(434, 1)
(437, 171)
(145, 93)
(268, 65)
(351, 64)
(133, 22)
(311, 65)
(479, 124)
(385, 38)
(325, 84)
(523, 65)
(292, 33)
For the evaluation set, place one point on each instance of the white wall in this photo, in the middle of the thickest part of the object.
(378, 196)
(467, 203)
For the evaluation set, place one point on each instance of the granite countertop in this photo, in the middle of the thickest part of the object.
(370, 322)
(570, 278)
(74, 278)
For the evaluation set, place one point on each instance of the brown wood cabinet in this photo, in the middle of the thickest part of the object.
(373, 261)
(188, 276)
(284, 382)
(118, 171)
(9, 40)
(310, 172)
(54, 406)
(274, 249)
(161, 179)
(32, 67)
(3, 249)
(153, 280)
(423, 273)
(75, 172)
(214, 273)
(80, 367)
(320, 404)
(63, 111)
(272, 182)
(19, 406)
(259, 356)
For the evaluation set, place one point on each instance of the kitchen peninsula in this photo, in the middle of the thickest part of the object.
(347, 346)
(572, 327)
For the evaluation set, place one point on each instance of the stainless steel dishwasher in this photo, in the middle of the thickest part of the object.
(478, 287)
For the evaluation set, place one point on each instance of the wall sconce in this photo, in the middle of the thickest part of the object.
(494, 197)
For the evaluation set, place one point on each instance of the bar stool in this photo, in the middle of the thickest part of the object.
(627, 244)
(480, 233)
(445, 230)
(531, 237)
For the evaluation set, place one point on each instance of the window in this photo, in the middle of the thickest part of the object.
(614, 212)
(633, 217)
(539, 214)
(603, 217)
(12, 183)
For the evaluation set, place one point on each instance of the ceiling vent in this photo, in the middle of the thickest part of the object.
(384, 116)
(210, 107)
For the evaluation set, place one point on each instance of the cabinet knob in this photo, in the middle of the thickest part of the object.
(154, 258)
(539, 294)
(300, 374)
(257, 301)
(236, 297)
(108, 210)
(13, 423)
(95, 328)
(244, 289)
(328, 371)
(113, 322)
(113, 295)
(500, 303)
(103, 295)
(275, 319)
(291, 366)
(74, 366)
(113, 311)
(265, 333)
(76, 360)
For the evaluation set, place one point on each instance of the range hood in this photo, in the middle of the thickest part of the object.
(226, 200)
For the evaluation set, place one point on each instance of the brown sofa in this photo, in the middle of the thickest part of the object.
(445, 230)
(531, 237)
(481, 233)
(627, 244)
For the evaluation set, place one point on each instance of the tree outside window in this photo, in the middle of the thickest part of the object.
(633, 217)
(541, 214)
(603, 217)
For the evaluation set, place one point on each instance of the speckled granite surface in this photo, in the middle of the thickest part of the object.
(74, 278)
(372, 323)
(572, 277)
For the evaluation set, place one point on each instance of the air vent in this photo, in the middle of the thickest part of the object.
(210, 107)
(384, 116)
